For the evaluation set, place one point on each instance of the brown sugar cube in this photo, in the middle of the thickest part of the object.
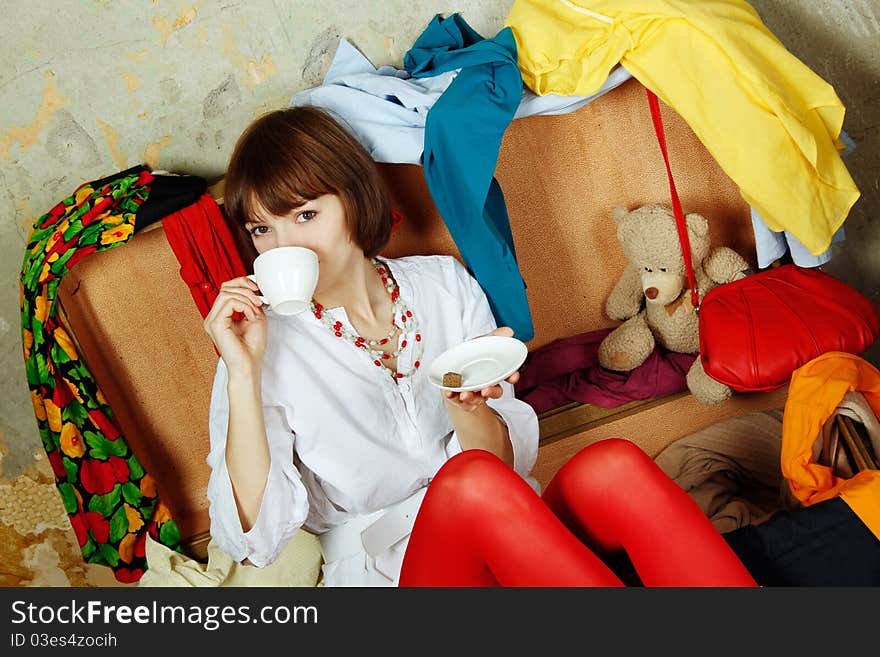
(452, 379)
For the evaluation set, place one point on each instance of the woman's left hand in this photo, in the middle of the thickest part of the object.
(471, 400)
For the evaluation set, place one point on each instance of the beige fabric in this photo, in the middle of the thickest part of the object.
(653, 426)
(731, 469)
(298, 565)
(854, 406)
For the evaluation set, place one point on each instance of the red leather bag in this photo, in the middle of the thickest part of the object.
(755, 332)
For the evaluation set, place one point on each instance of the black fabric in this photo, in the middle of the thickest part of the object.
(825, 544)
(168, 194)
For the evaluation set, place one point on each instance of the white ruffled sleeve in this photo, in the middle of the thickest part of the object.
(285, 501)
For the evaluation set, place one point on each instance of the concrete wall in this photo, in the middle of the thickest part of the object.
(89, 87)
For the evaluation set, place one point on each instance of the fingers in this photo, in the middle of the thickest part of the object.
(243, 285)
(229, 301)
(470, 400)
(241, 281)
(493, 392)
(233, 302)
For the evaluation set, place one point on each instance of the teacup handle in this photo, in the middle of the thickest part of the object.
(262, 298)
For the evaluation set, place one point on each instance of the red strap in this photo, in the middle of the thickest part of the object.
(680, 223)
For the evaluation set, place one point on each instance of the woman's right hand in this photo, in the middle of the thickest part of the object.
(241, 342)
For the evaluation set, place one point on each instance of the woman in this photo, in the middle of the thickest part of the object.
(326, 419)
(306, 427)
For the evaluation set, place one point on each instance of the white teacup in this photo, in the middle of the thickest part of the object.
(287, 276)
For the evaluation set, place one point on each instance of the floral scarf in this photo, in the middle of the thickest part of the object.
(111, 501)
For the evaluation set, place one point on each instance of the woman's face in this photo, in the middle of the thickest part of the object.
(319, 225)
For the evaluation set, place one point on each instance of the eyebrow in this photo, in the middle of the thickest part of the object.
(296, 208)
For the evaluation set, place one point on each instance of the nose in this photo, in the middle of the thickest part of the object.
(652, 292)
(286, 238)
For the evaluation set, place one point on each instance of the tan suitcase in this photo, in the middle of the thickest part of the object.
(139, 331)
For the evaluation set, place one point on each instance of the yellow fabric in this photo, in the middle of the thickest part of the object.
(814, 393)
(771, 123)
(299, 564)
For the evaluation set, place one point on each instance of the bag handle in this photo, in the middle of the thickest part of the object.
(680, 223)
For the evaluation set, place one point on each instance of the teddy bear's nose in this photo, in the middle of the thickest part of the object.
(652, 292)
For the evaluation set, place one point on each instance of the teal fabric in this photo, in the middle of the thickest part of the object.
(463, 135)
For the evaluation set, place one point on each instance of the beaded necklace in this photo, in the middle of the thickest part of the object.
(401, 318)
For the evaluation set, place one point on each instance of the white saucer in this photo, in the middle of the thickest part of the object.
(482, 362)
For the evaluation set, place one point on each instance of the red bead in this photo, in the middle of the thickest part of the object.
(399, 375)
(318, 306)
(338, 334)
(381, 270)
(403, 344)
(318, 315)
(408, 313)
(386, 356)
(418, 337)
(377, 363)
(403, 318)
(383, 341)
(416, 364)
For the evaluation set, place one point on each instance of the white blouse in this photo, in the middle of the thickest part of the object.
(344, 438)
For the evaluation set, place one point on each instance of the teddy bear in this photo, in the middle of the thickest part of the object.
(652, 297)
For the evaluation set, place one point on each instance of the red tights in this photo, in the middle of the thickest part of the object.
(481, 524)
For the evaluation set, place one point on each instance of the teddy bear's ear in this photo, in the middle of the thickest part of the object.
(697, 224)
(620, 213)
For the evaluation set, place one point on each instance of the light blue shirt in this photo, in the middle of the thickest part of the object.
(385, 108)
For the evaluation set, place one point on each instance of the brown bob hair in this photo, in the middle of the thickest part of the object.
(294, 155)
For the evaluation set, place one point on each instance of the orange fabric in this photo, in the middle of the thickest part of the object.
(815, 391)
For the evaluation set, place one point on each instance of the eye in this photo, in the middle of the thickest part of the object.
(303, 217)
(663, 269)
(256, 231)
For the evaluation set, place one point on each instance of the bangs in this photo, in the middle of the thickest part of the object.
(288, 157)
(272, 171)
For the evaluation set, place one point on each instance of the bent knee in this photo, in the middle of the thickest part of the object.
(609, 462)
(473, 479)
(472, 468)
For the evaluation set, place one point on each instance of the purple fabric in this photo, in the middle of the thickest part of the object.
(568, 370)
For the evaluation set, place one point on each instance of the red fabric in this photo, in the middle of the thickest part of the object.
(480, 524)
(205, 248)
(755, 332)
